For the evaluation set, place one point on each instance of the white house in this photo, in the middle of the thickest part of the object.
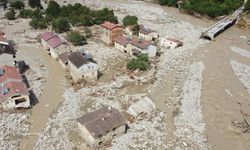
(170, 43)
(102, 125)
(82, 66)
(121, 43)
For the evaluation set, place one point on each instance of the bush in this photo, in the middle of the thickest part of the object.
(35, 3)
(38, 23)
(130, 20)
(141, 63)
(17, 4)
(76, 38)
(247, 5)
(61, 25)
(168, 2)
(26, 13)
(10, 15)
(53, 9)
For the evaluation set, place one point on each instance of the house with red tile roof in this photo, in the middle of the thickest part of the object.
(54, 44)
(101, 126)
(13, 91)
(121, 43)
(110, 31)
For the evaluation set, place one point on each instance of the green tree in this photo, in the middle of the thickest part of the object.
(61, 25)
(17, 4)
(38, 23)
(130, 20)
(35, 3)
(247, 5)
(76, 38)
(141, 63)
(53, 9)
(26, 13)
(168, 2)
(10, 15)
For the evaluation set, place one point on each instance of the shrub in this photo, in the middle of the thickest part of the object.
(130, 20)
(38, 23)
(17, 4)
(141, 63)
(10, 15)
(35, 3)
(53, 9)
(76, 38)
(61, 25)
(26, 13)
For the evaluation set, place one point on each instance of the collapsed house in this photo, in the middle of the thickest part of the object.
(6, 46)
(170, 43)
(13, 91)
(135, 46)
(110, 31)
(101, 126)
(54, 44)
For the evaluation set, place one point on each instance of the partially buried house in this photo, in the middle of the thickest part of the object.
(101, 126)
(13, 91)
(82, 66)
(54, 44)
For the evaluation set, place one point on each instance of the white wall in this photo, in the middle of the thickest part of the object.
(10, 102)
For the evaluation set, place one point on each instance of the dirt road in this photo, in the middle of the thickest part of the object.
(48, 101)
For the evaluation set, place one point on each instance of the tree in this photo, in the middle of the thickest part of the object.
(141, 63)
(26, 13)
(247, 5)
(76, 38)
(53, 9)
(38, 23)
(61, 25)
(130, 20)
(10, 15)
(17, 5)
(35, 3)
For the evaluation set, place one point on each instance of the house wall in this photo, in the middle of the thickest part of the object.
(115, 33)
(44, 44)
(149, 37)
(120, 47)
(150, 50)
(108, 36)
(128, 31)
(88, 72)
(10, 102)
(65, 66)
(91, 141)
(55, 52)
(168, 44)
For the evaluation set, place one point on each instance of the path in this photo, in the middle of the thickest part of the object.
(48, 101)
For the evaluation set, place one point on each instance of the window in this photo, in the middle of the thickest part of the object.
(19, 101)
(15, 96)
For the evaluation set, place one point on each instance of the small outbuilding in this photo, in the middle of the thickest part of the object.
(121, 43)
(101, 125)
(148, 34)
(145, 47)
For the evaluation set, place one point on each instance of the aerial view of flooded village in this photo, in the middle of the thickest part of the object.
(124, 75)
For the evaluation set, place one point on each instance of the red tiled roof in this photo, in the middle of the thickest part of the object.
(10, 73)
(64, 56)
(110, 25)
(122, 40)
(47, 35)
(142, 44)
(14, 88)
(101, 121)
(144, 30)
(54, 42)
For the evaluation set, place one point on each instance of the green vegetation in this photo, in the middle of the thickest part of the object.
(53, 9)
(130, 20)
(38, 23)
(212, 8)
(247, 5)
(61, 25)
(26, 13)
(17, 4)
(141, 63)
(35, 3)
(10, 15)
(76, 38)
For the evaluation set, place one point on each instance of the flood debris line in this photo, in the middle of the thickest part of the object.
(242, 71)
(189, 122)
(241, 51)
(12, 128)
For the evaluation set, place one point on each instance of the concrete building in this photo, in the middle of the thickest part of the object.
(110, 31)
(63, 59)
(101, 125)
(82, 66)
(141, 46)
(170, 43)
(147, 34)
(53, 44)
(13, 91)
(121, 43)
